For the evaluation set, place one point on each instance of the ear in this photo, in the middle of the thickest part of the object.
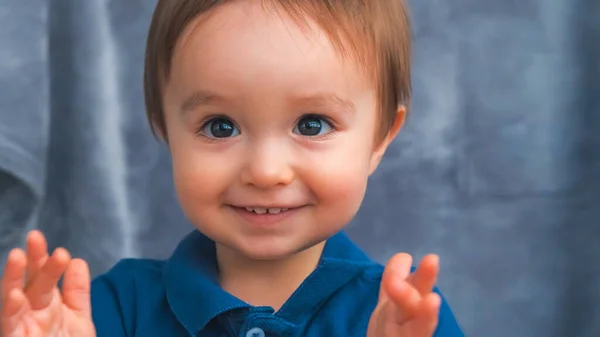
(382, 146)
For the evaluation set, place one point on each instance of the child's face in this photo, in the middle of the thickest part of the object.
(272, 117)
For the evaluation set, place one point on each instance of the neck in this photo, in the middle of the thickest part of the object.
(265, 282)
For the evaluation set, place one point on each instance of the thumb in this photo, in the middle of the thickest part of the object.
(11, 313)
(397, 269)
(76, 288)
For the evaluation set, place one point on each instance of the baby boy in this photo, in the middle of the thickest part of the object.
(275, 112)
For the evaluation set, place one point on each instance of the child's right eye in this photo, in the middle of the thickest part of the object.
(219, 127)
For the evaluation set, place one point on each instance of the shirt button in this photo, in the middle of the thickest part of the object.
(255, 332)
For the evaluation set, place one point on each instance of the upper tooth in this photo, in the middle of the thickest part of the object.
(259, 210)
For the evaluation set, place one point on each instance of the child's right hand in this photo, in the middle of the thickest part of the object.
(33, 306)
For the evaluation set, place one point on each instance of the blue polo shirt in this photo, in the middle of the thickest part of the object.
(182, 297)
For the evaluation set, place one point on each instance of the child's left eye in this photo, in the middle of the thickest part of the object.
(311, 126)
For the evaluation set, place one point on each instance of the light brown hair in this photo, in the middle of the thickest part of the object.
(376, 33)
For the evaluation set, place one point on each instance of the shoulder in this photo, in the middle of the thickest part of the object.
(128, 275)
(364, 290)
(117, 294)
(131, 270)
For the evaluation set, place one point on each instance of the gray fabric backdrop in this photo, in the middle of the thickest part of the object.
(498, 170)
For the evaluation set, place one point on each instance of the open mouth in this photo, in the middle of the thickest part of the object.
(265, 217)
(260, 210)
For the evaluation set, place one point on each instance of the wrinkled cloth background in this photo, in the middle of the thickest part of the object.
(498, 169)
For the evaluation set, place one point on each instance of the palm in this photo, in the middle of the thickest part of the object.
(57, 319)
(33, 305)
(383, 324)
(407, 306)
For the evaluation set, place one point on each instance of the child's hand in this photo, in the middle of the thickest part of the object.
(407, 305)
(32, 304)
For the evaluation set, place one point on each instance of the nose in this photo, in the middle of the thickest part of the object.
(268, 166)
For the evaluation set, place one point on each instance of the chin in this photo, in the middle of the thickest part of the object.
(272, 248)
(268, 251)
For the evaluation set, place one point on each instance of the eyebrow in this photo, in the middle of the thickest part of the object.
(323, 99)
(326, 100)
(197, 99)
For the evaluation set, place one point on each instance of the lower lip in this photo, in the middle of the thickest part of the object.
(264, 220)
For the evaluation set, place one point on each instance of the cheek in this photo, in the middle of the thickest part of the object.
(200, 177)
(339, 180)
(345, 169)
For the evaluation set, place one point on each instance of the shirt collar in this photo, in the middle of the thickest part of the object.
(195, 297)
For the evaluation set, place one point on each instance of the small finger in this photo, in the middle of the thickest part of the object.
(404, 302)
(14, 273)
(424, 278)
(428, 317)
(12, 313)
(397, 268)
(40, 290)
(76, 288)
(37, 253)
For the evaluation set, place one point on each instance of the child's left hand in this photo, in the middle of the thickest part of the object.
(407, 305)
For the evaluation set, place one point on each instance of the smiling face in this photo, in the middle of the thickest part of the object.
(271, 132)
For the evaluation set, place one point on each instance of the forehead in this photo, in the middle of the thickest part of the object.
(242, 44)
